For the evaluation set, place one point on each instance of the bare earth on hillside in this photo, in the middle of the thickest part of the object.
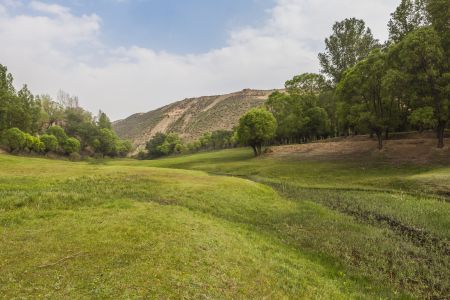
(419, 151)
(190, 118)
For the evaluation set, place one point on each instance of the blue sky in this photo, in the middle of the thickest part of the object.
(177, 26)
(128, 56)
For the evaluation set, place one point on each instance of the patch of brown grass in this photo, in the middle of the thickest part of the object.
(419, 151)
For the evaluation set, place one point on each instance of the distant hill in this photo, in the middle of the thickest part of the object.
(190, 118)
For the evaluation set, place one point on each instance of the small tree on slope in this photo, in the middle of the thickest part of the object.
(256, 127)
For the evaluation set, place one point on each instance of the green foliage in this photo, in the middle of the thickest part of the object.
(123, 147)
(103, 121)
(71, 145)
(350, 42)
(222, 139)
(64, 120)
(409, 16)
(52, 113)
(59, 133)
(256, 127)
(17, 109)
(37, 145)
(171, 144)
(439, 14)
(307, 83)
(362, 87)
(107, 142)
(423, 118)
(301, 113)
(50, 142)
(421, 61)
(154, 144)
(14, 139)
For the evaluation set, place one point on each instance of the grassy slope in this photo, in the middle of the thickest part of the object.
(129, 229)
(391, 222)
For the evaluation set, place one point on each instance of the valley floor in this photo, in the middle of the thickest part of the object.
(225, 225)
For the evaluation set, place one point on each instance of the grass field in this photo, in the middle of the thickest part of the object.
(223, 225)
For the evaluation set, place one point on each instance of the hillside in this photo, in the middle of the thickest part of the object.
(191, 117)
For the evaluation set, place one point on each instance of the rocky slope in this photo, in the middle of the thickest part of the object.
(190, 118)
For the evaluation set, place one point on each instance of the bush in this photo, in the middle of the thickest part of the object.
(74, 156)
(123, 148)
(36, 145)
(71, 145)
(59, 133)
(14, 139)
(28, 142)
(50, 142)
(142, 155)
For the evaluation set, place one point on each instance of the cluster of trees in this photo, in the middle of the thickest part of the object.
(168, 144)
(372, 88)
(38, 124)
(55, 140)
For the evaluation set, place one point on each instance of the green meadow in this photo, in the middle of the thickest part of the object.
(223, 225)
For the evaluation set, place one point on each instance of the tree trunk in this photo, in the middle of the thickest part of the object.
(380, 140)
(254, 150)
(259, 149)
(440, 134)
(387, 134)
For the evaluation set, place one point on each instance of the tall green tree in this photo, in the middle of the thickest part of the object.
(103, 121)
(307, 83)
(421, 59)
(255, 128)
(409, 16)
(350, 42)
(363, 88)
(52, 113)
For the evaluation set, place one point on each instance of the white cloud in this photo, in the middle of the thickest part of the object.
(53, 48)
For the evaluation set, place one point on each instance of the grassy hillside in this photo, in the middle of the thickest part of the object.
(191, 117)
(276, 227)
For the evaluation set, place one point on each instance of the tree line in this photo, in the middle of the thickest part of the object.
(170, 144)
(366, 87)
(40, 125)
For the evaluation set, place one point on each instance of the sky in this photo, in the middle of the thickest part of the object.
(130, 56)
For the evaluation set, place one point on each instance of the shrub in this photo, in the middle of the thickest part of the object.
(50, 142)
(14, 139)
(141, 155)
(123, 148)
(29, 140)
(59, 133)
(74, 156)
(34, 144)
(71, 145)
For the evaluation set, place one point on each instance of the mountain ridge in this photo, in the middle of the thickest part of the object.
(191, 117)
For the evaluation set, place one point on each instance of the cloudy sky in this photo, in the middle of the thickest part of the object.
(128, 56)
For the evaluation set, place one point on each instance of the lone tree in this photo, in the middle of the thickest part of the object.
(256, 127)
